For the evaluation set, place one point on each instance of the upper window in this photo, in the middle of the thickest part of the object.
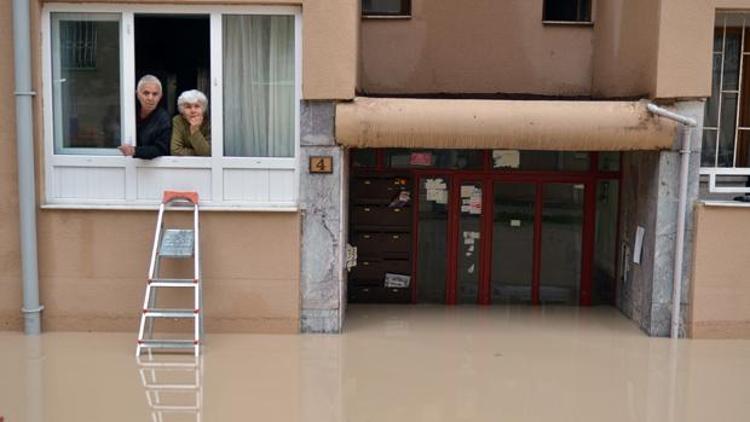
(567, 10)
(386, 7)
(258, 61)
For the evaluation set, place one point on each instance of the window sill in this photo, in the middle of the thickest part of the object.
(726, 204)
(569, 23)
(387, 17)
(155, 207)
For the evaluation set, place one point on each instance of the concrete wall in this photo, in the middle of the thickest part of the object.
(93, 266)
(720, 292)
(650, 199)
(10, 260)
(487, 46)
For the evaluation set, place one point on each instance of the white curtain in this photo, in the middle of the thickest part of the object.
(258, 86)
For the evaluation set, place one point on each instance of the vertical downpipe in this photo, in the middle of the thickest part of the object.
(681, 211)
(26, 184)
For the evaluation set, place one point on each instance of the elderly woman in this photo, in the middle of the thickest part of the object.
(191, 131)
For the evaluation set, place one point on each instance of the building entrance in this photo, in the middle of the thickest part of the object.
(484, 236)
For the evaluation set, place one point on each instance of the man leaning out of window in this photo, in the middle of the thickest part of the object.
(191, 131)
(152, 124)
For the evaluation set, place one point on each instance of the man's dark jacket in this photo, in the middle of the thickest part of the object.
(153, 135)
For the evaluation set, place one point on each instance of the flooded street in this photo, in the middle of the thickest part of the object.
(393, 363)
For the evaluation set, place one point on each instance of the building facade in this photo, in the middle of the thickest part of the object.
(391, 151)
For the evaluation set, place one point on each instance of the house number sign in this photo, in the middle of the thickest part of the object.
(321, 164)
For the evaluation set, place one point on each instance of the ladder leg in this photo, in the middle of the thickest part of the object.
(152, 302)
(141, 330)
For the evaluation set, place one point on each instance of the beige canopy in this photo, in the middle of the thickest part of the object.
(495, 124)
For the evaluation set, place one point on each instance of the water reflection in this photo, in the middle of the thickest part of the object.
(173, 385)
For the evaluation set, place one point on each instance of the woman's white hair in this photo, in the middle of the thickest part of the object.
(192, 96)
(148, 79)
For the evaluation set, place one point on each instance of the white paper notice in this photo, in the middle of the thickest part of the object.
(515, 223)
(470, 270)
(506, 158)
(467, 191)
(638, 247)
(442, 197)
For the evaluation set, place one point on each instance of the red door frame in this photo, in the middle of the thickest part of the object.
(487, 177)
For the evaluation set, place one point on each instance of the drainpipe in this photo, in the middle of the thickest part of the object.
(681, 211)
(26, 185)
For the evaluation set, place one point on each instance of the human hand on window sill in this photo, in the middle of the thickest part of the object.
(127, 150)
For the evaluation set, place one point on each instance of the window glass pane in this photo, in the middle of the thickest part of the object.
(708, 148)
(513, 242)
(562, 225)
(718, 39)
(605, 237)
(384, 7)
(712, 105)
(469, 242)
(259, 71)
(86, 81)
(743, 149)
(726, 133)
(609, 161)
(732, 59)
(567, 10)
(442, 158)
(432, 251)
(545, 161)
(363, 158)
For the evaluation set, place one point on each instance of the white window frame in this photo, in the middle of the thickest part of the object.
(282, 197)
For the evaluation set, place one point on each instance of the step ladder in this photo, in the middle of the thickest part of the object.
(173, 244)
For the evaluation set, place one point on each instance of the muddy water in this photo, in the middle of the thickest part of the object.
(392, 364)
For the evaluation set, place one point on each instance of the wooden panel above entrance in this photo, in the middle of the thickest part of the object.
(500, 124)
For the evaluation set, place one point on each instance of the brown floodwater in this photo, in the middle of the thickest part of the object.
(393, 363)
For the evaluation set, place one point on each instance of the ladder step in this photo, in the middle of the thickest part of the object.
(173, 282)
(170, 313)
(167, 344)
(177, 243)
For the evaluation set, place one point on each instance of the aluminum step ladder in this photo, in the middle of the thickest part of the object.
(173, 244)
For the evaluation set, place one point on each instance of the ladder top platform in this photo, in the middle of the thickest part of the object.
(171, 195)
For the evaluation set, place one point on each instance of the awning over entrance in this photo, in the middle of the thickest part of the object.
(495, 124)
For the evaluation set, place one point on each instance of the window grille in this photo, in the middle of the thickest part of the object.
(78, 45)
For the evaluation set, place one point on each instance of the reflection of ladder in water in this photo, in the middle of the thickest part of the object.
(174, 389)
(173, 243)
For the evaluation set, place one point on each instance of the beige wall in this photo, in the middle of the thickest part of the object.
(685, 42)
(93, 266)
(10, 260)
(487, 46)
(720, 287)
(625, 48)
(329, 33)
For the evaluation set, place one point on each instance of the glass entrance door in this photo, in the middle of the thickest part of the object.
(562, 243)
(512, 261)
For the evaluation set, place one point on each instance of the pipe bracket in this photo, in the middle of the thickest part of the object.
(39, 308)
(28, 94)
